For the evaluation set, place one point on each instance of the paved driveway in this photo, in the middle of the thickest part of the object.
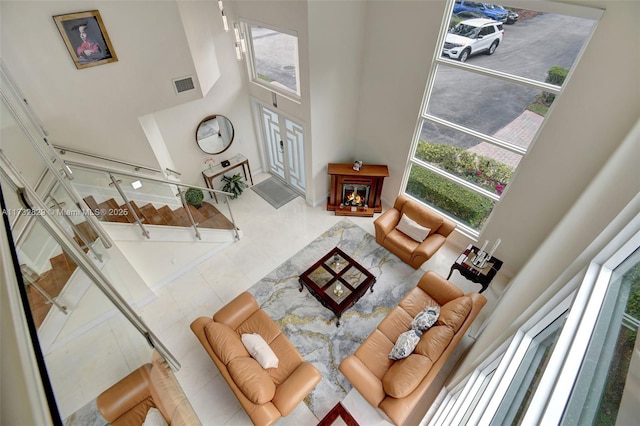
(528, 49)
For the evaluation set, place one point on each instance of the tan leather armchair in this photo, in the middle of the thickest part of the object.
(127, 402)
(409, 250)
(266, 395)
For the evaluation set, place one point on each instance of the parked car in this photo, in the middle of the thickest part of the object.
(491, 11)
(471, 37)
(512, 17)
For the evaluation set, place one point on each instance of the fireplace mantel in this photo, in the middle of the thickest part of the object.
(369, 175)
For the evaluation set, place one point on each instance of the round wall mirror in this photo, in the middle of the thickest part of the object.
(214, 134)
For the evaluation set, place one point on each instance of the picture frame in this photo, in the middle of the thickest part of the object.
(86, 38)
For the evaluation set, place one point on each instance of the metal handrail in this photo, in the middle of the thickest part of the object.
(188, 210)
(77, 230)
(112, 172)
(129, 206)
(47, 296)
(63, 150)
(93, 222)
(137, 176)
(80, 258)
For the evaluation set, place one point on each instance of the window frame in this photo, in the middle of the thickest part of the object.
(583, 295)
(245, 25)
(438, 60)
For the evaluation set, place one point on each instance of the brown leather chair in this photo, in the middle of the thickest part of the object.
(152, 385)
(413, 252)
(266, 395)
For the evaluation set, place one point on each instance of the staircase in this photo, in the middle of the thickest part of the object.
(207, 216)
(53, 280)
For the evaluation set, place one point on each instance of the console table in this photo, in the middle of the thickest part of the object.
(210, 174)
(473, 273)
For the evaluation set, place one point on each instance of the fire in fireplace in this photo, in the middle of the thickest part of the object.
(355, 195)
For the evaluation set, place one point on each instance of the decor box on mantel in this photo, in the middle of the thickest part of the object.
(356, 192)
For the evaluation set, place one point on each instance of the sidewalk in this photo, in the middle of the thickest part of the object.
(520, 131)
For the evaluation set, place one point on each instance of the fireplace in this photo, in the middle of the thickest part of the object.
(355, 195)
(356, 192)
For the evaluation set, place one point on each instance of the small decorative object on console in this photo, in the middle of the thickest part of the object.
(357, 165)
(225, 163)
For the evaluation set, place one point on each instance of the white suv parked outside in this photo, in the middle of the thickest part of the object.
(473, 36)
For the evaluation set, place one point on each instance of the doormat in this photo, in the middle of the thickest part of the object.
(274, 192)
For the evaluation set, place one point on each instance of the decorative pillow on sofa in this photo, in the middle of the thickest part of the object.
(412, 229)
(425, 319)
(260, 350)
(154, 418)
(405, 344)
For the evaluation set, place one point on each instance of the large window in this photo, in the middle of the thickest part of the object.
(490, 89)
(274, 58)
(575, 362)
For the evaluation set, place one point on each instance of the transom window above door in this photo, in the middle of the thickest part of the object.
(273, 59)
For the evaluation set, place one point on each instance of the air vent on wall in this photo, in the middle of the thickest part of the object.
(184, 84)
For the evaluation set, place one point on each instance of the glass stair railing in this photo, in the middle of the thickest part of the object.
(132, 198)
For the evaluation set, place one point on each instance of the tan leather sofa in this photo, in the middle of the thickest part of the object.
(152, 385)
(265, 395)
(410, 251)
(395, 387)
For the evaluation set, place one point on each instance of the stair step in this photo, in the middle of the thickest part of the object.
(93, 205)
(152, 216)
(195, 213)
(136, 209)
(87, 232)
(181, 217)
(111, 210)
(169, 216)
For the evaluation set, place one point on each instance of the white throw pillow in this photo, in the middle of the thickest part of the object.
(412, 229)
(154, 418)
(260, 350)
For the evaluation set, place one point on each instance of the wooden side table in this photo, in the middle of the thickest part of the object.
(338, 412)
(239, 160)
(473, 273)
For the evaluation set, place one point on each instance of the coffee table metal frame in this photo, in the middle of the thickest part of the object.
(321, 280)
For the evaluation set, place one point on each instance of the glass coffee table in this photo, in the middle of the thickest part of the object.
(337, 281)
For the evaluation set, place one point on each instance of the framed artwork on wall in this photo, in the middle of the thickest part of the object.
(86, 38)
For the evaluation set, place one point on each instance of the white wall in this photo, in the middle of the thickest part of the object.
(97, 108)
(336, 36)
(400, 41)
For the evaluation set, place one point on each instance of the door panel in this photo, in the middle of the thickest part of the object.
(285, 153)
(274, 146)
(295, 150)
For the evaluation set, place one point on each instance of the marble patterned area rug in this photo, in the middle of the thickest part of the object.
(312, 328)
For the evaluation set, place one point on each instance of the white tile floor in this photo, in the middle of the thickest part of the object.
(270, 237)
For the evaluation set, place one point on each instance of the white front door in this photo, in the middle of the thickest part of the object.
(285, 154)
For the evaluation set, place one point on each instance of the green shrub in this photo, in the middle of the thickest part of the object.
(556, 76)
(483, 171)
(468, 206)
(194, 197)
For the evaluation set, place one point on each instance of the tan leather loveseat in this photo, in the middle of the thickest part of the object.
(265, 394)
(413, 252)
(395, 387)
(153, 385)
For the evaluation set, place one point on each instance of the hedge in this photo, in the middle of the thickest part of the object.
(483, 171)
(469, 207)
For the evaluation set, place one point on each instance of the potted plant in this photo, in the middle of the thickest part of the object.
(234, 184)
(194, 197)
